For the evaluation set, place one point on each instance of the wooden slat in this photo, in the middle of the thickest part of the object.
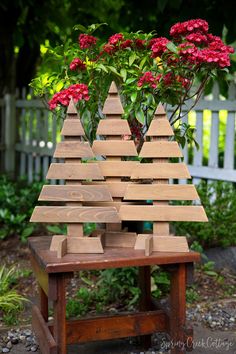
(116, 204)
(72, 127)
(113, 127)
(117, 168)
(75, 193)
(162, 213)
(73, 171)
(163, 243)
(160, 127)
(120, 239)
(229, 141)
(74, 214)
(160, 171)
(74, 149)
(114, 148)
(160, 149)
(112, 106)
(117, 189)
(161, 192)
(214, 145)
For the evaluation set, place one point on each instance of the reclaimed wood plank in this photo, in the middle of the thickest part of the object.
(114, 148)
(154, 149)
(72, 127)
(163, 243)
(160, 171)
(74, 171)
(75, 193)
(117, 189)
(160, 127)
(113, 127)
(74, 214)
(113, 106)
(162, 213)
(161, 192)
(117, 168)
(73, 149)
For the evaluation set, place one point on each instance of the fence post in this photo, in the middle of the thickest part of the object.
(10, 134)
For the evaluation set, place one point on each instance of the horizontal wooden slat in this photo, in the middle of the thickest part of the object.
(114, 148)
(72, 127)
(162, 213)
(160, 127)
(113, 105)
(80, 171)
(118, 326)
(160, 171)
(117, 168)
(163, 243)
(117, 205)
(113, 127)
(73, 149)
(160, 149)
(161, 192)
(117, 189)
(75, 193)
(73, 214)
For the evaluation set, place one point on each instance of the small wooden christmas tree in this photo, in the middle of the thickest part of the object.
(73, 149)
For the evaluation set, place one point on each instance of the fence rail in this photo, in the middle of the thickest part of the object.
(29, 132)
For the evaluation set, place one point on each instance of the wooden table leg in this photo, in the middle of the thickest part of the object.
(43, 304)
(59, 306)
(178, 309)
(145, 299)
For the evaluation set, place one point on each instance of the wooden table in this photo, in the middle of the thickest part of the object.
(52, 274)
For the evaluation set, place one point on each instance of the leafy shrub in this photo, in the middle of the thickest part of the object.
(219, 201)
(17, 200)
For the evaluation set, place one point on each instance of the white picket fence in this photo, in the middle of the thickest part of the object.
(37, 130)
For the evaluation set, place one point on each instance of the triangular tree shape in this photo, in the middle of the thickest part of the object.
(73, 193)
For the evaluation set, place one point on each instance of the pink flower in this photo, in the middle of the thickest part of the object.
(197, 38)
(126, 44)
(86, 41)
(77, 64)
(183, 28)
(149, 79)
(159, 46)
(118, 37)
(77, 92)
(109, 48)
(139, 43)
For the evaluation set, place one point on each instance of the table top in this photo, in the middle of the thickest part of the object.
(111, 258)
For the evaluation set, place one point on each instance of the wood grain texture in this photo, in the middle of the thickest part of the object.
(73, 149)
(74, 214)
(116, 189)
(153, 149)
(113, 106)
(163, 243)
(113, 127)
(117, 168)
(75, 193)
(162, 213)
(72, 127)
(160, 127)
(160, 171)
(76, 245)
(120, 239)
(114, 148)
(74, 171)
(161, 192)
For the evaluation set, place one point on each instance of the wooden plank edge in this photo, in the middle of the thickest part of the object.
(76, 245)
(161, 244)
(45, 339)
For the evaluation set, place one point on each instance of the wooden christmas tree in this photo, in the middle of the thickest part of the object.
(73, 150)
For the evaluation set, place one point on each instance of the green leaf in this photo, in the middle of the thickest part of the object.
(140, 116)
(172, 47)
(27, 232)
(132, 58)
(101, 66)
(114, 70)
(133, 97)
(59, 86)
(80, 28)
(95, 26)
(123, 73)
(130, 80)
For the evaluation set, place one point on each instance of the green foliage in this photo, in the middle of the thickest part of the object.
(17, 202)
(192, 295)
(160, 282)
(11, 303)
(219, 201)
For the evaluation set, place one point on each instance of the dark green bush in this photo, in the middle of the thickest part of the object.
(219, 201)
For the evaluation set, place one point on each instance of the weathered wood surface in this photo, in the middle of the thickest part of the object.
(117, 168)
(72, 127)
(112, 258)
(160, 171)
(162, 213)
(73, 149)
(75, 193)
(120, 239)
(114, 148)
(77, 244)
(113, 127)
(74, 214)
(161, 192)
(160, 127)
(75, 171)
(117, 189)
(154, 149)
(163, 243)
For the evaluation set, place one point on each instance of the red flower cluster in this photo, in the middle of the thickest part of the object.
(86, 41)
(139, 43)
(149, 79)
(77, 64)
(197, 38)
(183, 28)
(77, 92)
(116, 38)
(158, 46)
